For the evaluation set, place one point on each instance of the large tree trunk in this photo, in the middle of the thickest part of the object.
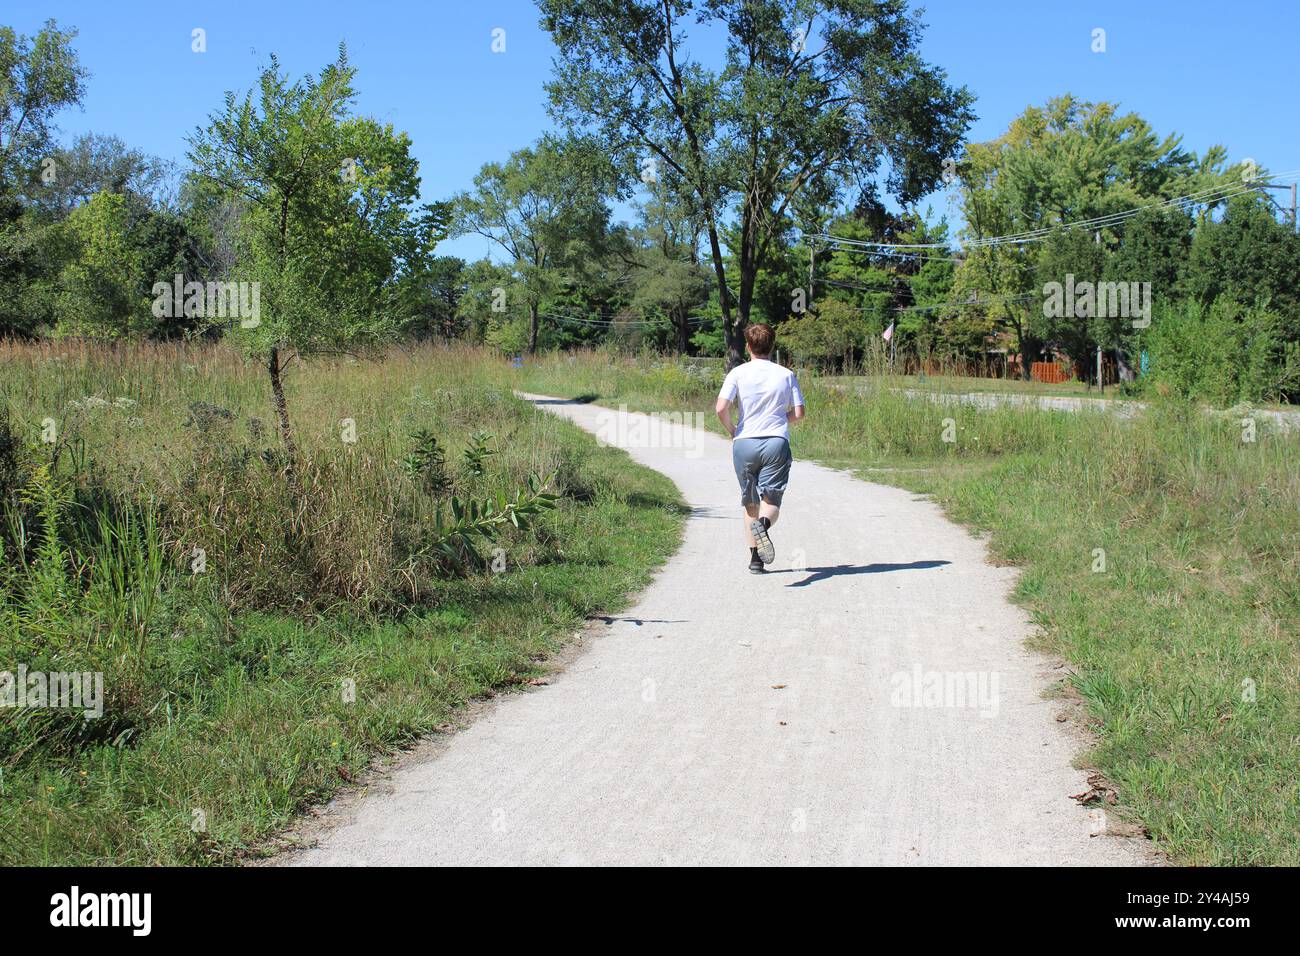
(1028, 346)
(683, 329)
(532, 332)
(747, 258)
(748, 275)
(733, 334)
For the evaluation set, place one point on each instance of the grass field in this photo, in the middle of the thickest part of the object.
(324, 629)
(1161, 558)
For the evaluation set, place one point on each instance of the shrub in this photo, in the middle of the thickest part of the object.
(1222, 354)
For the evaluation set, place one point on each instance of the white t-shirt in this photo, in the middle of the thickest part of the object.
(767, 393)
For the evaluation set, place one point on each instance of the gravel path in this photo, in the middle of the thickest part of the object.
(868, 701)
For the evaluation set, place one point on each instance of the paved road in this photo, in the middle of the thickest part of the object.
(1060, 403)
(799, 717)
(1284, 420)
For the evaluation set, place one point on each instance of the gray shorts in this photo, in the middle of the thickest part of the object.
(762, 468)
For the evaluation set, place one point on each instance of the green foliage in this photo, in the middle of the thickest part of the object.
(478, 452)
(508, 334)
(668, 281)
(1071, 252)
(778, 128)
(709, 341)
(99, 288)
(832, 337)
(546, 208)
(1066, 161)
(900, 289)
(97, 163)
(127, 573)
(39, 76)
(328, 222)
(474, 520)
(429, 300)
(1222, 354)
(1153, 247)
(1249, 258)
(427, 463)
(206, 675)
(328, 226)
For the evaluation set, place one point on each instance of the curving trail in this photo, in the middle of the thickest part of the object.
(729, 718)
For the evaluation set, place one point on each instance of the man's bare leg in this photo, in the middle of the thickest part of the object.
(759, 518)
(764, 510)
(751, 514)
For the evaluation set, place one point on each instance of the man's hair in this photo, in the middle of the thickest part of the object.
(760, 338)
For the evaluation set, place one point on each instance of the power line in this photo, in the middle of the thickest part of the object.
(621, 323)
(1210, 195)
(995, 300)
(1213, 194)
(860, 288)
(894, 253)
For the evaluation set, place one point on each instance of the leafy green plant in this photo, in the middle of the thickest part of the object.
(478, 452)
(426, 465)
(475, 520)
(47, 583)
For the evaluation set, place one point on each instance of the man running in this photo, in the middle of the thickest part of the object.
(769, 399)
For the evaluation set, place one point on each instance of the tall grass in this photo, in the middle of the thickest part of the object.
(438, 540)
(189, 424)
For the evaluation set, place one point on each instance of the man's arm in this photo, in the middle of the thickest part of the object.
(795, 414)
(722, 407)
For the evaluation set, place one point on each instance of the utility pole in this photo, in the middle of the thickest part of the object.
(1101, 389)
(1292, 210)
(812, 258)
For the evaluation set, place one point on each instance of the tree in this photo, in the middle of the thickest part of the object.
(485, 307)
(328, 224)
(929, 278)
(1153, 247)
(1249, 258)
(1064, 253)
(99, 284)
(429, 299)
(812, 94)
(830, 337)
(96, 163)
(669, 278)
(1067, 161)
(543, 207)
(38, 77)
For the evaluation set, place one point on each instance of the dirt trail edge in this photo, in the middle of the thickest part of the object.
(868, 701)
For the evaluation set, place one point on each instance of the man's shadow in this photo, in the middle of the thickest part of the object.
(839, 570)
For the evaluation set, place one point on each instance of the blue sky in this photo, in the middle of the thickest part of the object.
(1214, 73)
